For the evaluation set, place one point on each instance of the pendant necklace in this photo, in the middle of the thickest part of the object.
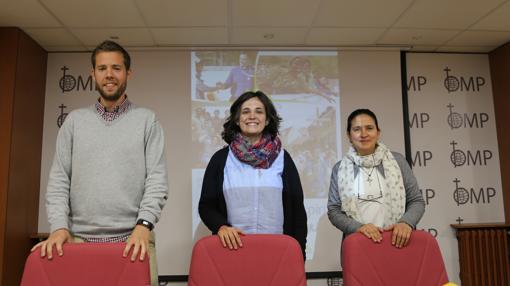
(369, 174)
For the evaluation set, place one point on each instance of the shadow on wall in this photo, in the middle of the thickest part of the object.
(324, 246)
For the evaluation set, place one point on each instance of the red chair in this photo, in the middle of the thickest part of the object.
(264, 259)
(86, 264)
(367, 263)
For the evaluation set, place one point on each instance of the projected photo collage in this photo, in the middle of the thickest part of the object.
(305, 89)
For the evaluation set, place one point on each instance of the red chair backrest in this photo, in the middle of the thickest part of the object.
(367, 263)
(264, 259)
(86, 264)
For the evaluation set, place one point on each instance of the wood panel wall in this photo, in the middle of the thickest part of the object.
(500, 74)
(22, 89)
(483, 254)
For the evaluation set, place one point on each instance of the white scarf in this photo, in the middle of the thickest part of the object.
(394, 198)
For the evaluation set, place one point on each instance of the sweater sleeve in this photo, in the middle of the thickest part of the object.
(337, 217)
(209, 206)
(415, 205)
(156, 183)
(299, 219)
(59, 181)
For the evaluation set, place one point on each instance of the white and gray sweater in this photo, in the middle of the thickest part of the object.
(107, 175)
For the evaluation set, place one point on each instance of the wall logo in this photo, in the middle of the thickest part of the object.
(464, 196)
(416, 82)
(429, 194)
(69, 82)
(421, 158)
(62, 117)
(454, 118)
(469, 158)
(453, 83)
(418, 120)
(457, 120)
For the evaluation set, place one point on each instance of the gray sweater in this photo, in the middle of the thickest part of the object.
(106, 176)
(415, 206)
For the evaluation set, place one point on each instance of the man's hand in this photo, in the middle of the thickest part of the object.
(401, 234)
(230, 236)
(139, 241)
(57, 239)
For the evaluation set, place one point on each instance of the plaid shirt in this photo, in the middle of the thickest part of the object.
(110, 116)
(112, 239)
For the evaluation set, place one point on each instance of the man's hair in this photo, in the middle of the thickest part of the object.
(230, 128)
(111, 46)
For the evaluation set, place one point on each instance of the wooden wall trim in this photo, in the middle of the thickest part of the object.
(500, 73)
(8, 50)
(27, 77)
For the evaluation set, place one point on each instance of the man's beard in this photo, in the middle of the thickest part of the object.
(113, 97)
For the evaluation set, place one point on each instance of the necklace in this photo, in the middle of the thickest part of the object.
(369, 174)
(370, 198)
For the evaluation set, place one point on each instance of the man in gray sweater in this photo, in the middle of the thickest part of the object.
(108, 181)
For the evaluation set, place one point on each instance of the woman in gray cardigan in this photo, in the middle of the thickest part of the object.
(373, 189)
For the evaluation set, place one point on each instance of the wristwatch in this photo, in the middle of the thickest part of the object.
(145, 223)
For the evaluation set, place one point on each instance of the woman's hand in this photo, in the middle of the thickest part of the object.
(371, 231)
(401, 234)
(230, 236)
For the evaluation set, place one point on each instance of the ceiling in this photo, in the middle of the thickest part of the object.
(417, 25)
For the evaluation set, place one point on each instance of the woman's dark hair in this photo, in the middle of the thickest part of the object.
(111, 46)
(359, 112)
(230, 128)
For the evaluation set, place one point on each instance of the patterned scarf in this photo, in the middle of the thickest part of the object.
(394, 196)
(260, 155)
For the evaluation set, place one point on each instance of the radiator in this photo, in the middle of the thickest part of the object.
(483, 255)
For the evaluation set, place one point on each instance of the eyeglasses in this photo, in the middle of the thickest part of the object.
(370, 198)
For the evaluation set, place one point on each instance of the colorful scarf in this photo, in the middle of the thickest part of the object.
(260, 155)
(394, 196)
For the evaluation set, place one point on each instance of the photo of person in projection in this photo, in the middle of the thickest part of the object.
(202, 90)
(240, 78)
(297, 77)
